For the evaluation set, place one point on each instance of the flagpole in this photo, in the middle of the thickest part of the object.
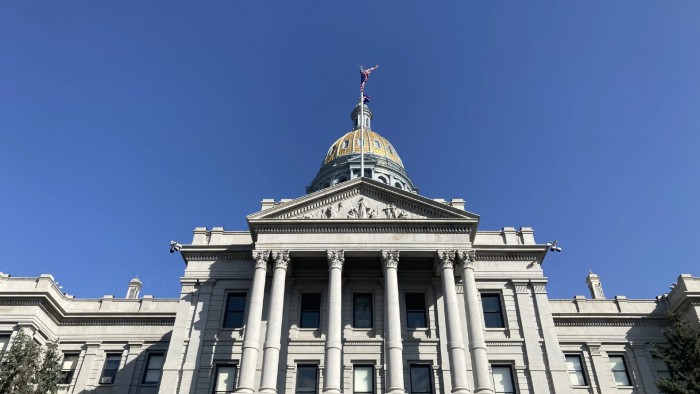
(362, 133)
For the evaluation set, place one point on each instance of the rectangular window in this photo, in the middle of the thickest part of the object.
(376, 144)
(575, 367)
(503, 379)
(225, 379)
(70, 363)
(619, 370)
(154, 368)
(493, 315)
(307, 379)
(415, 310)
(363, 379)
(662, 370)
(421, 381)
(362, 310)
(109, 373)
(310, 310)
(235, 308)
(345, 144)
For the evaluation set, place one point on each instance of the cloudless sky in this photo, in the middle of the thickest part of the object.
(126, 124)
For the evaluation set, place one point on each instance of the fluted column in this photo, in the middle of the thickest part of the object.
(392, 326)
(334, 346)
(271, 356)
(455, 345)
(251, 342)
(475, 324)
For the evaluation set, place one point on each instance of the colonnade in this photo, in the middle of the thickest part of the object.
(392, 325)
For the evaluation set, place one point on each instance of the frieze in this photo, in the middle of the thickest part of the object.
(502, 256)
(214, 256)
(562, 322)
(371, 228)
(118, 322)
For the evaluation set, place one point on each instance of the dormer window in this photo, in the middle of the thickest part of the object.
(345, 144)
(376, 144)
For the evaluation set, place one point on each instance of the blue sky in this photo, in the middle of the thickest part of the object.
(126, 124)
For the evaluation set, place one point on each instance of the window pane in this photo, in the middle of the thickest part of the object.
(420, 379)
(576, 376)
(306, 378)
(152, 376)
(493, 316)
(661, 368)
(111, 366)
(225, 378)
(503, 379)
(310, 311)
(235, 307)
(619, 370)
(4, 340)
(362, 311)
(70, 361)
(363, 379)
(415, 310)
(155, 361)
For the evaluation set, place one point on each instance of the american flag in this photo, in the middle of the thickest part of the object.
(366, 98)
(364, 76)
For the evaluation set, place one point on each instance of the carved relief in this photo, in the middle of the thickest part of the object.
(446, 258)
(467, 258)
(336, 258)
(260, 258)
(390, 258)
(360, 207)
(281, 258)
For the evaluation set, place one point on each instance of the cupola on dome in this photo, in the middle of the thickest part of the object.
(343, 162)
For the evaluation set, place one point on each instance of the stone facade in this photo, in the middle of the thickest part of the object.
(358, 286)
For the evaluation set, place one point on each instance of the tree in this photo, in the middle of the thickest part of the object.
(27, 368)
(682, 356)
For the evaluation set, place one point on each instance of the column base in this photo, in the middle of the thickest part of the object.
(332, 391)
(483, 390)
(244, 390)
(460, 390)
(395, 391)
(267, 390)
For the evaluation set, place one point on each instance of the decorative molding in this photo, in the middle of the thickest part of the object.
(336, 258)
(521, 287)
(539, 288)
(213, 256)
(260, 257)
(365, 227)
(118, 322)
(467, 258)
(505, 344)
(281, 258)
(609, 322)
(446, 258)
(483, 255)
(390, 258)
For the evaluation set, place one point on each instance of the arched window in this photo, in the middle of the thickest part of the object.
(399, 185)
(382, 179)
(343, 179)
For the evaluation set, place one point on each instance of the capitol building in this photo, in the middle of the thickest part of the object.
(362, 285)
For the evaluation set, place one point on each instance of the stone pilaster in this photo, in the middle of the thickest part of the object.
(455, 346)
(334, 346)
(274, 323)
(251, 341)
(475, 324)
(392, 327)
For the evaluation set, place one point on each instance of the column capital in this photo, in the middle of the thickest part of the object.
(467, 258)
(281, 258)
(336, 258)
(446, 258)
(260, 257)
(390, 258)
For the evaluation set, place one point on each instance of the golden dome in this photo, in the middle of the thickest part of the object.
(375, 144)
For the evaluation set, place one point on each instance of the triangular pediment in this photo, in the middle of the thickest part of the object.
(362, 199)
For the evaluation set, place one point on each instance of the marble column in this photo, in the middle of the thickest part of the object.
(392, 326)
(455, 345)
(271, 355)
(334, 346)
(251, 341)
(475, 324)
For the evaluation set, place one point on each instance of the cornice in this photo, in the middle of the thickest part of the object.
(494, 255)
(210, 256)
(117, 322)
